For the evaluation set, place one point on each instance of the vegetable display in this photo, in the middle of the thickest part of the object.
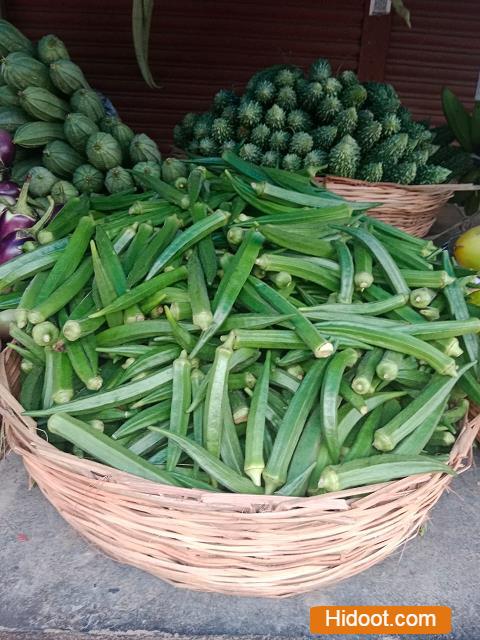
(70, 144)
(319, 122)
(244, 330)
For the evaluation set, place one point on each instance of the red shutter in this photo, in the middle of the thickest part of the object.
(442, 48)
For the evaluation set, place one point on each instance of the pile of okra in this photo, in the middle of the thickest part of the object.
(243, 330)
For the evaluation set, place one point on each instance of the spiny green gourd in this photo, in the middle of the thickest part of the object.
(370, 172)
(301, 143)
(344, 157)
(284, 112)
(432, 174)
(402, 173)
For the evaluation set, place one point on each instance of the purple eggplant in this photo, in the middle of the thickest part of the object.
(9, 188)
(20, 216)
(7, 149)
(11, 247)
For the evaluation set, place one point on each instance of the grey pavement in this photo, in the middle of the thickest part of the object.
(55, 586)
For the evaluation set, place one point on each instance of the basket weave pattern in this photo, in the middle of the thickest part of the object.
(240, 544)
(411, 208)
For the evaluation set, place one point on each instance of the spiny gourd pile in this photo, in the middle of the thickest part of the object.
(248, 332)
(319, 122)
(47, 103)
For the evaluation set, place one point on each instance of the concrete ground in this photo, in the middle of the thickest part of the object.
(56, 586)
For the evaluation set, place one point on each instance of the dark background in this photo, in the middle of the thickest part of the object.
(200, 46)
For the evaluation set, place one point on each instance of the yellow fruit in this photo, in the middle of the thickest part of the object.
(467, 249)
(474, 298)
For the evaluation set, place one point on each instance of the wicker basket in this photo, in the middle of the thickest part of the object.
(239, 544)
(411, 208)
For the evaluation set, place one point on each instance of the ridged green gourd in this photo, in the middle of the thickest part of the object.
(328, 108)
(250, 113)
(286, 98)
(368, 134)
(118, 179)
(144, 149)
(8, 97)
(89, 103)
(21, 71)
(320, 70)
(291, 162)
(107, 123)
(346, 121)
(381, 98)
(316, 158)
(389, 151)
(353, 95)
(261, 135)
(61, 158)
(265, 92)
(38, 134)
(50, 49)
(390, 124)
(21, 168)
(43, 104)
(344, 157)
(78, 128)
(270, 159)
(207, 146)
(298, 120)
(13, 117)
(370, 172)
(250, 152)
(41, 181)
(151, 169)
(103, 151)
(67, 76)
(11, 39)
(279, 140)
(172, 168)
(63, 191)
(88, 179)
(275, 117)
(432, 174)
(301, 143)
(402, 173)
(222, 130)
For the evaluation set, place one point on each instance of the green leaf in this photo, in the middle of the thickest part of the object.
(141, 22)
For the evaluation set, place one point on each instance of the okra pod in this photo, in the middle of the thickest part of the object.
(254, 462)
(181, 398)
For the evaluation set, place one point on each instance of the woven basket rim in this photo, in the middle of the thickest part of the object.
(421, 189)
(26, 439)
